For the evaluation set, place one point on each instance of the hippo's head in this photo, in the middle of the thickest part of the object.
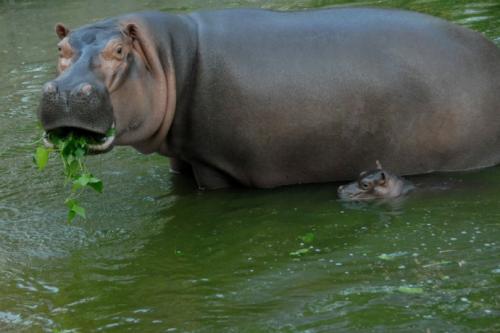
(110, 76)
(374, 184)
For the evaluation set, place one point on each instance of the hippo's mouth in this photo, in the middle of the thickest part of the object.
(97, 143)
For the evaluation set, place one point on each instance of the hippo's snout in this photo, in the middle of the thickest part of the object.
(348, 191)
(84, 106)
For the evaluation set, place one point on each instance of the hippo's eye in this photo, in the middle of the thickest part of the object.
(365, 185)
(119, 53)
(59, 48)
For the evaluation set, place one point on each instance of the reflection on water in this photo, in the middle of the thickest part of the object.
(156, 256)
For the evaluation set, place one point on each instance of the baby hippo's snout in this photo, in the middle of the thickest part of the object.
(375, 184)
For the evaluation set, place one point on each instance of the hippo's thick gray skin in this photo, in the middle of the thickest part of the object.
(265, 98)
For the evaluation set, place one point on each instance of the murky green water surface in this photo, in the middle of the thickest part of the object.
(157, 256)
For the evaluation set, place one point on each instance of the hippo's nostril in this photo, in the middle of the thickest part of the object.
(86, 89)
(49, 88)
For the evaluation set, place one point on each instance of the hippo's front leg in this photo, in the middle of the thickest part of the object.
(209, 178)
(178, 166)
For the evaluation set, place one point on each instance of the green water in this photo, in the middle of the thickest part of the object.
(156, 255)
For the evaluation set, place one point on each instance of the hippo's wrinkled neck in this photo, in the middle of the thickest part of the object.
(175, 38)
(182, 42)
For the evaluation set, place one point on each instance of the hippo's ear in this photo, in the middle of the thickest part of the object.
(379, 166)
(61, 30)
(133, 31)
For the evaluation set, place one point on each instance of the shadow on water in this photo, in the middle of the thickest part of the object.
(156, 255)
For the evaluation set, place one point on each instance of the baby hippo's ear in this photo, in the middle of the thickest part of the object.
(382, 178)
(61, 30)
(379, 166)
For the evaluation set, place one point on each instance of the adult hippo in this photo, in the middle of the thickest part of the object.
(264, 98)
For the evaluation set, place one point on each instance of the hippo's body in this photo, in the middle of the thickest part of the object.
(267, 98)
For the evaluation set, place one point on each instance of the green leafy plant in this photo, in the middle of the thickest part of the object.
(306, 241)
(300, 252)
(72, 150)
(307, 238)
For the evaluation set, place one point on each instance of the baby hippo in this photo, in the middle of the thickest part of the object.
(375, 184)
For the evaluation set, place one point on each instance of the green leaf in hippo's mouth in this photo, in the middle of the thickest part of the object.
(41, 157)
(111, 132)
(74, 209)
(89, 180)
(72, 149)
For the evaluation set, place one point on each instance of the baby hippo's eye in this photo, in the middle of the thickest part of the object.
(365, 185)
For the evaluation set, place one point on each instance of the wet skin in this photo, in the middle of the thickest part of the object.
(264, 99)
(375, 184)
